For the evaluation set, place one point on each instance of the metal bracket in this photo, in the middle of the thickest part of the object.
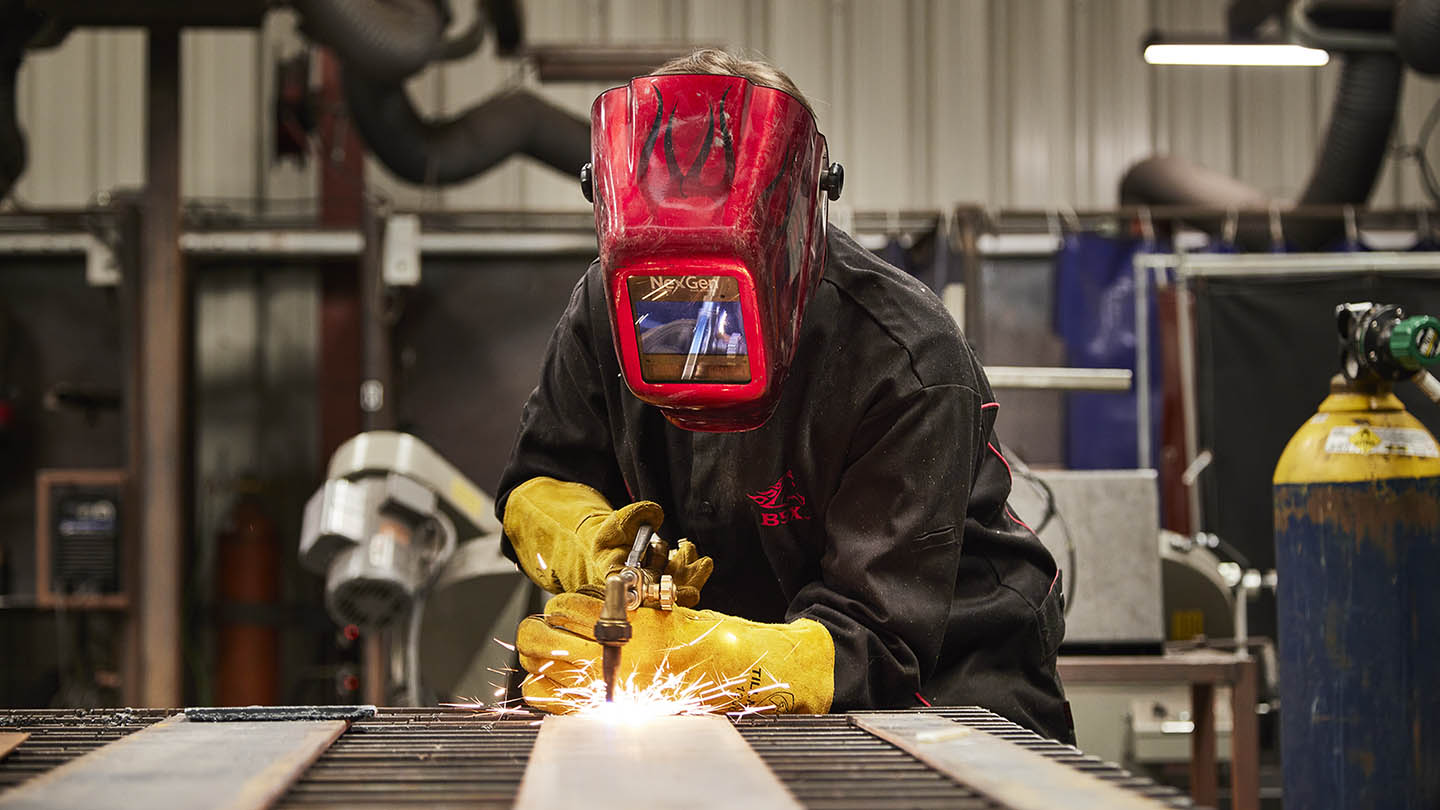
(102, 268)
(400, 258)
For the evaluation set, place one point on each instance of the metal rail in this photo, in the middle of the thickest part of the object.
(179, 763)
(10, 740)
(599, 762)
(1023, 779)
(1059, 379)
(60, 735)
(1300, 264)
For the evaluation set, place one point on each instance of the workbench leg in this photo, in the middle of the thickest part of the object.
(1203, 778)
(1244, 739)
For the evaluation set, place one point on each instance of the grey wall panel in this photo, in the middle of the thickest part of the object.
(54, 106)
(220, 141)
(1194, 108)
(927, 102)
(544, 188)
(880, 96)
(1112, 112)
(1035, 73)
(960, 167)
(1275, 129)
(118, 111)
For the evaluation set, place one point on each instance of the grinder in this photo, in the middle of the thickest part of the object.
(641, 582)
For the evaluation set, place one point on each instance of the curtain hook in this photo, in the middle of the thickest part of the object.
(1231, 226)
(1277, 229)
(1071, 218)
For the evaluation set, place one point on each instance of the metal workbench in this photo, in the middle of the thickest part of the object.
(458, 758)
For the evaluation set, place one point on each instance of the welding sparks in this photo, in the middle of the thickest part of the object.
(579, 690)
(498, 710)
(667, 693)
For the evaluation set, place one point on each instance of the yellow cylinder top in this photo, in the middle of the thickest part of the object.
(1359, 435)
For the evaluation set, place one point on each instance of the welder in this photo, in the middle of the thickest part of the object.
(737, 372)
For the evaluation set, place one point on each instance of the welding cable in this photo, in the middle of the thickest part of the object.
(417, 607)
(1051, 512)
(1418, 151)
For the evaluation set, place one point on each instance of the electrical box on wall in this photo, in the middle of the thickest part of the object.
(79, 539)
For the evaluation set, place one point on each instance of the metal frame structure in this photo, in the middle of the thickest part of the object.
(1203, 671)
(1152, 269)
(143, 243)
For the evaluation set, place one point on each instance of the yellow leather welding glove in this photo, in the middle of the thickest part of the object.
(567, 538)
(729, 663)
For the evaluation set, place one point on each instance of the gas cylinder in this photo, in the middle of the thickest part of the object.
(247, 638)
(1357, 545)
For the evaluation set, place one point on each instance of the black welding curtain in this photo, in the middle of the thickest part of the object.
(1266, 349)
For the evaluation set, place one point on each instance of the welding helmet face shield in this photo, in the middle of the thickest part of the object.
(710, 207)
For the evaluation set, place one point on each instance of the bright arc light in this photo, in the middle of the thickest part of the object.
(668, 693)
(1262, 54)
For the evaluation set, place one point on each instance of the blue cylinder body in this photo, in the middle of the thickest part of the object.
(1359, 611)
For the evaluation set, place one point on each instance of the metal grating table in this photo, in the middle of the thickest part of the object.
(60, 735)
(455, 758)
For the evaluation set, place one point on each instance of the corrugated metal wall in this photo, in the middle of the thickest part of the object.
(926, 102)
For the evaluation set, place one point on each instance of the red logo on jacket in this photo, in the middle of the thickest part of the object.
(780, 503)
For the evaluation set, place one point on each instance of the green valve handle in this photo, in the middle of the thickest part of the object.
(1415, 342)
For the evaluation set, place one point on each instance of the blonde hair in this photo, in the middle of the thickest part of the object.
(723, 63)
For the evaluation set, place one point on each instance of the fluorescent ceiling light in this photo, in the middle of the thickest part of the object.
(1267, 54)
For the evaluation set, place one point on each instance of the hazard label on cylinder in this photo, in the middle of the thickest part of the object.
(1387, 441)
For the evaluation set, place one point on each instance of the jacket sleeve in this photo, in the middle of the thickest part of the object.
(893, 536)
(565, 430)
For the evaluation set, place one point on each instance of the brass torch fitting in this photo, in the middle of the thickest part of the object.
(643, 587)
(613, 627)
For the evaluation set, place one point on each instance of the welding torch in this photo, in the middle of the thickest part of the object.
(642, 581)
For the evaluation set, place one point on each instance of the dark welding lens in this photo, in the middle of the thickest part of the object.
(689, 329)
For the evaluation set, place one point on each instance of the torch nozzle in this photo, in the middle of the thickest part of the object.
(612, 630)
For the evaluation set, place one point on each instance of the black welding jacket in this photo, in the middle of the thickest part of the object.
(873, 501)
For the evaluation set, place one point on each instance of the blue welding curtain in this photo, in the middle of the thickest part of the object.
(1095, 316)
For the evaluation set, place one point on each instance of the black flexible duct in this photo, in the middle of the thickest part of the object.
(15, 28)
(1344, 174)
(507, 22)
(12, 140)
(388, 40)
(1168, 180)
(449, 151)
(1417, 34)
(1355, 146)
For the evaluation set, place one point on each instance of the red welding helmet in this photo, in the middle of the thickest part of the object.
(710, 204)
